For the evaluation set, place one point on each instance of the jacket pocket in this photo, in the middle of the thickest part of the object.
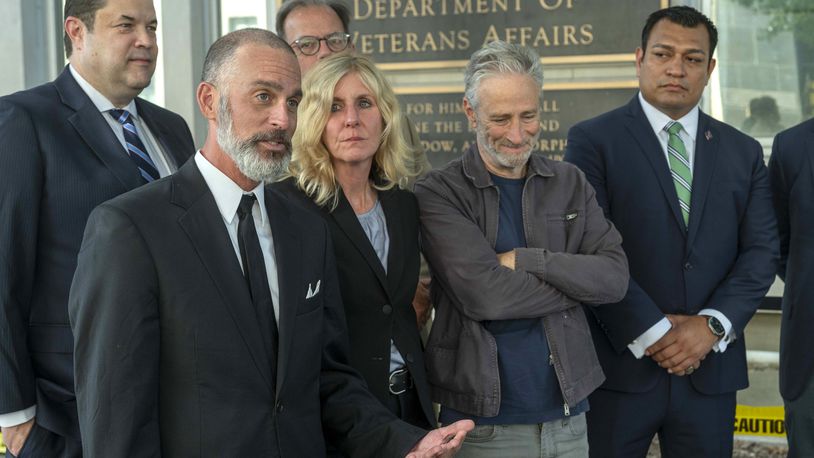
(559, 227)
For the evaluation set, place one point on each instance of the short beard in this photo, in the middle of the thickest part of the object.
(244, 152)
(504, 160)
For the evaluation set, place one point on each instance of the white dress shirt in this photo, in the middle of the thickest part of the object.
(227, 196)
(688, 133)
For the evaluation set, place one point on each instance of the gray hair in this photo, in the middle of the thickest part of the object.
(220, 58)
(290, 5)
(499, 57)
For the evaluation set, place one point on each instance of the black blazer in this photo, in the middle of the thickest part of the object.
(791, 169)
(169, 354)
(58, 160)
(378, 305)
(725, 260)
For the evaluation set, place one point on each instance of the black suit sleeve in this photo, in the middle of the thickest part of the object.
(352, 417)
(21, 185)
(636, 312)
(739, 295)
(115, 321)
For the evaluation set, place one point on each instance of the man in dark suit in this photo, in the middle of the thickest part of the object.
(691, 197)
(791, 172)
(205, 307)
(62, 152)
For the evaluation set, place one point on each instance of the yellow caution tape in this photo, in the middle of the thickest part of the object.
(760, 421)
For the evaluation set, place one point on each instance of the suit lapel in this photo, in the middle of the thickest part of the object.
(96, 132)
(288, 256)
(650, 147)
(204, 226)
(347, 221)
(162, 133)
(395, 229)
(706, 153)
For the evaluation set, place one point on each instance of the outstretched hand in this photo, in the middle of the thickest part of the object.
(442, 442)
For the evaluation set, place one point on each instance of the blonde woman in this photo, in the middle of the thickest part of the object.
(350, 162)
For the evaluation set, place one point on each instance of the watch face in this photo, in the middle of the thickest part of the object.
(715, 326)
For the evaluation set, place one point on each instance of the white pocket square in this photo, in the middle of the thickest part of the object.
(313, 292)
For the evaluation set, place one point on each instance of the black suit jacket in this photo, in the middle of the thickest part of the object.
(58, 160)
(725, 260)
(378, 305)
(169, 354)
(791, 170)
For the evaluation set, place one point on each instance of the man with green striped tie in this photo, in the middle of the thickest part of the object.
(690, 196)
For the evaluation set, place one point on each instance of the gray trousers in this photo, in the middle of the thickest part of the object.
(800, 423)
(566, 438)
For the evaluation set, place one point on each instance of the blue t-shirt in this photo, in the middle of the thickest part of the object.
(529, 389)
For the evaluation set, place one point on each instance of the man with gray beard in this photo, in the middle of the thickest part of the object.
(205, 308)
(515, 243)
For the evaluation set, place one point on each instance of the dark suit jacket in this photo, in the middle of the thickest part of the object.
(378, 305)
(726, 260)
(169, 354)
(791, 170)
(58, 160)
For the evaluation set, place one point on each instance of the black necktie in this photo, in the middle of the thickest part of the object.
(135, 147)
(254, 269)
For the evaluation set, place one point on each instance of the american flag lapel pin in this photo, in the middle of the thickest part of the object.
(708, 135)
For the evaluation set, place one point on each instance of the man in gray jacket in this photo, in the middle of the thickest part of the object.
(515, 243)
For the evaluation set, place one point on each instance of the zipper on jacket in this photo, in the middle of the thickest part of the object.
(555, 362)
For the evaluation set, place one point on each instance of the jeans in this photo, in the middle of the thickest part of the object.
(563, 438)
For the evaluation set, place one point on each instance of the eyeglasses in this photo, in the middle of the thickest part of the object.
(309, 46)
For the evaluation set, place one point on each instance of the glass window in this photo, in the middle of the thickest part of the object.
(242, 14)
(765, 65)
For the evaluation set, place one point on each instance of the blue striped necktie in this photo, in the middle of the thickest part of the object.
(135, 148)
(679, 168)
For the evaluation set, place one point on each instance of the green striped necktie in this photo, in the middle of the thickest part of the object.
(679, 168)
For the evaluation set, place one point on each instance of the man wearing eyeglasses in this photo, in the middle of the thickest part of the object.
(314, 28)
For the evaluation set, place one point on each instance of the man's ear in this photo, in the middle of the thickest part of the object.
(710, 67)
(207, 96)
(639, 59)
(76, 30)
(469, 110)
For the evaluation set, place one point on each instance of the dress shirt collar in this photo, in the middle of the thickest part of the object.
(658, 120)
(227, 193)
(100, 101)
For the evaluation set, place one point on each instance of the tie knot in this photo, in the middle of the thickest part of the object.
(673, 128)
(246, 204)
(123, 116)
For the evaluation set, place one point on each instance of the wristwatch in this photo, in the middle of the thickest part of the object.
(716, 327)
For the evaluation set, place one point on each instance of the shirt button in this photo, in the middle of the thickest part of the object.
(279, 407)
(387, 309)
(687, 266)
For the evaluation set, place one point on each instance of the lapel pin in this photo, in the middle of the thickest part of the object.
(708, 135)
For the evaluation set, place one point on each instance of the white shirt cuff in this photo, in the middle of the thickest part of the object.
(720, 345)
(17, 418)
(651, 336)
